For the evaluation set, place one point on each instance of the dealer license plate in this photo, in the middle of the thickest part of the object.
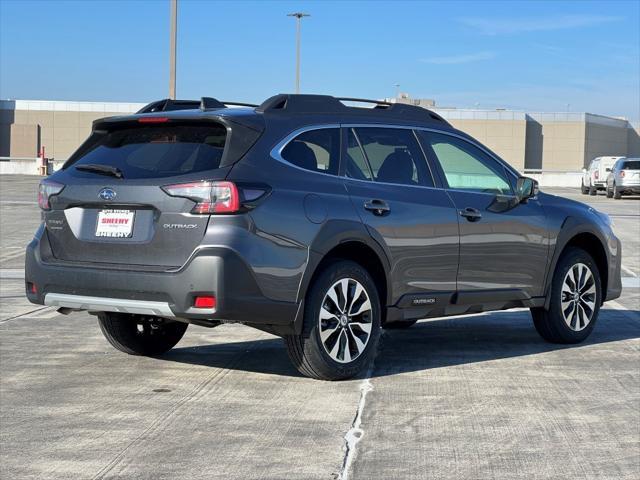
(115, 223)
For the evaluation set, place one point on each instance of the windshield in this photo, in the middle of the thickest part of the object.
(157, 151)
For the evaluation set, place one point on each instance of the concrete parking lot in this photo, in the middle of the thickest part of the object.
(477, 397)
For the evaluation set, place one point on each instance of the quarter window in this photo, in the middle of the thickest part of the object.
(465, 166)
(394, 156)
(315, 150)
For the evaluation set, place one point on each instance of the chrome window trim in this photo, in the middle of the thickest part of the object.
(276, 152)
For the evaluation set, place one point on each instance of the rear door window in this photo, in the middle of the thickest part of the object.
(394, 156)
(158, 151)
(356, 165)
(315, 150)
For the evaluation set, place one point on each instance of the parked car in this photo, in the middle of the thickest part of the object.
(624, 178)
(594, 178)
(312, 220)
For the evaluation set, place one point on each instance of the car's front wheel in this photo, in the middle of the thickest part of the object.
(341, 324)
(575, 300)
(140, 334)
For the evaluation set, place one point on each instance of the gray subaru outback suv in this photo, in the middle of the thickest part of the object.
(310, 219)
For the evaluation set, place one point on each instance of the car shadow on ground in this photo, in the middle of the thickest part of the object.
(426, 345)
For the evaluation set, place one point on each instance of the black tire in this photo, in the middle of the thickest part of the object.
(550, 324)
(140, 335)
(584, 190)
(593, 190)
(617, 194)
(609, 192)
(307, 351)
(399, 325)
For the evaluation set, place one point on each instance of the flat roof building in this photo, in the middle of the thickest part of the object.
(528, 141)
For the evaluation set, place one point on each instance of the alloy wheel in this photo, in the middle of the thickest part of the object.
(578, 297)
(345, 320)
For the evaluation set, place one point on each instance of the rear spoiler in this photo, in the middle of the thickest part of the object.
(205, 103)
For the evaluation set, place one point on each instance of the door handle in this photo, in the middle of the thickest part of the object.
(471, 214)
(377, 206)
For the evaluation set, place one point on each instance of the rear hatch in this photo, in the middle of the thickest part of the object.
(116, 208)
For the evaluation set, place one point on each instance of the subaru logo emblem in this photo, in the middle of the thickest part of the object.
(107, 194)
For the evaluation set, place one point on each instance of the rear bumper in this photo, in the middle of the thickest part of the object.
(214, 271)
(629, 187)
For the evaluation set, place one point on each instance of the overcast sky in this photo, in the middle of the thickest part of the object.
(535, 56)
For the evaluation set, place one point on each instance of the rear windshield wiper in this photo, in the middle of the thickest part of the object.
(101, 169)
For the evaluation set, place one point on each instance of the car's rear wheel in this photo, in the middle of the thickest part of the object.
(584, 190)
(399, 325)
(617, 194)
(593, 190)
(140, 334)
(609, 192)
(575, 300)
(341, 324)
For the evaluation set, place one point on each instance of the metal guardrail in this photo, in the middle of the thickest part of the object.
(535, 170)
(8, 159)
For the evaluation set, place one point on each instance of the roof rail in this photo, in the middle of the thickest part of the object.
(327, 104)
(205, 103)
(379, 103)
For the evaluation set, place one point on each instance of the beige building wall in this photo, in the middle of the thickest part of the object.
(24, 140)
(633, 141)
(507, 138)
(548, 141)
(62, 126)
(563, 145)
(604, 139)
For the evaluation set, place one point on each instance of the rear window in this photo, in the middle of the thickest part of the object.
(158, 151)
(631, 165)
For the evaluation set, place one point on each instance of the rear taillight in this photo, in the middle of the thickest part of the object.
(596, 174)
(210, 197)
(622, 173)
(46, 190)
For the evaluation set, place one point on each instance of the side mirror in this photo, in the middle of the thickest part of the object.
(526, 188)
(608, 169)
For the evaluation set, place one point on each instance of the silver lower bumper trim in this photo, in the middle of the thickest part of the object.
(102, 304)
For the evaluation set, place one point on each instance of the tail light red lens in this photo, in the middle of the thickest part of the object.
(210, 197)
(622, 173)
(205, 302)
(596, 174)
(46, 190)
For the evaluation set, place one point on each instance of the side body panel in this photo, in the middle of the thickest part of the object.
(507, 248)
(420, 232)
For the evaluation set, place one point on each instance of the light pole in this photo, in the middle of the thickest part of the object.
(173, 32)
(299, 16)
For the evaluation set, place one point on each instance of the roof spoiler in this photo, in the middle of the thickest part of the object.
(205, 103)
